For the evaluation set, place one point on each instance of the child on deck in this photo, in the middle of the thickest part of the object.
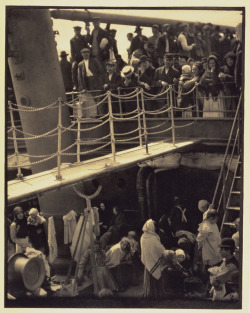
(185, 100)
(209, 239)
(34, 218)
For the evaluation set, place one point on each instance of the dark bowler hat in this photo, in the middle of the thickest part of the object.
(227, 243)
(155, 26)
(143, 58)
(31, 272)
(85, 50)
(63, 54)
(111, 62)
(77, 27)
(168, 55)
(137, 29)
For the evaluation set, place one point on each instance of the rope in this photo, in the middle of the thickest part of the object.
(187, 108)
(127, 118)
(125, 113)
(154, 96)
(8, 131)
(90, 128)
(152, 113)
(185, 124)
(69, 147)
(127, 139)
(11, 156)
(147, 111)
(159, 132)
(33, 109)
(95, 140)
(89, 151)
(128, 94)
(127, 97)
(33, 136)
(157, 125)
(102, 117)
(90, 107)
(186, 93)
(128, 133)
(37, 162)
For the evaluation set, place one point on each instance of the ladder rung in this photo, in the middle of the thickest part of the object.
(235, 192)
(228, 224)
(233, 208)
(237, 177)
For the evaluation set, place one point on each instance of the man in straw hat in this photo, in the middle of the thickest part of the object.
(77, 43)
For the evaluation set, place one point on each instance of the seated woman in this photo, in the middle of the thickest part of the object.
(116, 229)
(19, 230)
(119, 262)
(214, 103)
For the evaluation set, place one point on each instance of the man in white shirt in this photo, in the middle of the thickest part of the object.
(182, 40)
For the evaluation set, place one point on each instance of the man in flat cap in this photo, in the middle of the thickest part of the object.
(156, 34)
(77, 43)
(90, 72)
(138, 41)
(100, 41)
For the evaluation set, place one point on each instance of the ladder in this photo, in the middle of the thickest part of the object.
(232, 209)
(228, 202)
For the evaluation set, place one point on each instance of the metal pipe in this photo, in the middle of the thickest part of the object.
(120, 19)
(111, 125)
(78, 139)
(119, 99)
(59, 140)
(144, 121)
(19, 173)
(172, 115)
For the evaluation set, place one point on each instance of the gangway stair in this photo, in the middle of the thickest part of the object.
(41, 183)
(232, 209)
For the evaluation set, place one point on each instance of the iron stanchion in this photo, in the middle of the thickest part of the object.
(139, 116)
(111, 125)
(59, 140)
(172, 115)
(144, 122)
(19, 173)
(120, 102)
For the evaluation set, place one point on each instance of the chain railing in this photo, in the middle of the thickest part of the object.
(142, 107)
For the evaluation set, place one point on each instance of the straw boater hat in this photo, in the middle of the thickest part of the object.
(30, 272)
(127, 71)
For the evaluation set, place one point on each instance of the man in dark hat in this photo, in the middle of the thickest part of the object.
(112, 79)
(215, 39)
(100, 42)
(146, 73)
(184, 47)
(66, 67)
(113, 47)
(138, 41)
(165, 43)
(166, 75)
(77, 43)
(228, 265)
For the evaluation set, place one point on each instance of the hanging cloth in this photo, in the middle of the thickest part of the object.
(69, 221)
(52, 240)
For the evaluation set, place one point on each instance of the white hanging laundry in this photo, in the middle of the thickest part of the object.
(52, 240)
(69, 221)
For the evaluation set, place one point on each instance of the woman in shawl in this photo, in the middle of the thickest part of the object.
(151, 257)
(19, 230)
(214, 104)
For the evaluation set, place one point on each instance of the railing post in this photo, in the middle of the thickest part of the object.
(139, 116)
(19, 173)
(120, 102)
(196, 102)
(59, 140)
(78, 141)
(144, 121)
(111, 125)
(172, 115)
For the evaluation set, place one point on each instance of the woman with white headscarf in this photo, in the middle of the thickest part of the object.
(151, 257)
